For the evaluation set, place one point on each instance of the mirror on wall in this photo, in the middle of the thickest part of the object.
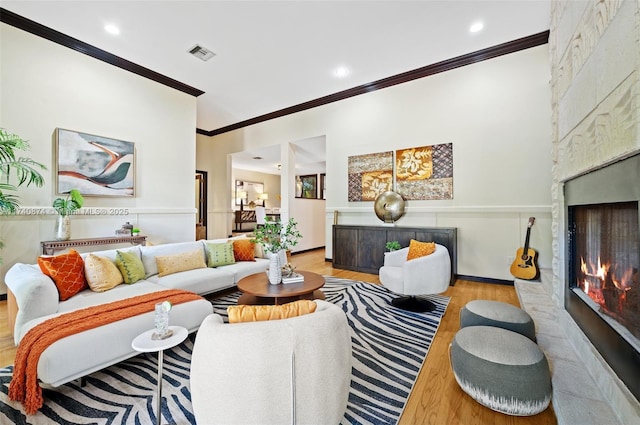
(249, 193)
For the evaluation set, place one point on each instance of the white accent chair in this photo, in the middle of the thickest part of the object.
(289, 371)
(430, 274)
(260, 216)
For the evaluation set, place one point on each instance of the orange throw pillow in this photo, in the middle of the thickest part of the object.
(419, 249)
(257, 313)
(244, 250)
(66, 271)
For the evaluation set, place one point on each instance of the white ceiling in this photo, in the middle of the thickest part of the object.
(275, 54)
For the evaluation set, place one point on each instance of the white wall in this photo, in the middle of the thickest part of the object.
(44, 86)
(497, 115)
(310, 216)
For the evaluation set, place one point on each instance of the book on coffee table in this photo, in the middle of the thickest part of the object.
(293, 278)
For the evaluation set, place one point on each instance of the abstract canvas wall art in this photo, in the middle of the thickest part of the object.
(369, 175)
(307, 186)
(426, 172)
(95, 165)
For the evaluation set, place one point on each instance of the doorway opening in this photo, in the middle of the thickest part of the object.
(201, 204)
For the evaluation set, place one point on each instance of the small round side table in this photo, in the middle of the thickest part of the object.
(144, 344)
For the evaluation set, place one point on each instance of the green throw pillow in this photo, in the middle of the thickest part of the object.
(220, 254)
(130, 265)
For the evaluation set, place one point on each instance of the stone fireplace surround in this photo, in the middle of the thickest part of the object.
(594, 54)
(601, 397)
(615, 184)
(585, 388)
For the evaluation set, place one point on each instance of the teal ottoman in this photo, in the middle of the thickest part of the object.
(498, 314)
(501, 369)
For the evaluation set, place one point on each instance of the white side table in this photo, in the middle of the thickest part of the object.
(144, 344)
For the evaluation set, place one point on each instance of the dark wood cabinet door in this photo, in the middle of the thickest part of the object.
(403, 236)
(345, 248)
(371, 248)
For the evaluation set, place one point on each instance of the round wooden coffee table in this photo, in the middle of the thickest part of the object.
(256, 289)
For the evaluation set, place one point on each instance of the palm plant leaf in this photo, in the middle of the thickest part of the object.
(9, 143)
(8, 203)
(7, 186)
(26, 169)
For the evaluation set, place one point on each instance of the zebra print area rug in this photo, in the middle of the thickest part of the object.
(389, 347)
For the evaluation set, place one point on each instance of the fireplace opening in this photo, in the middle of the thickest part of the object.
(603, 263)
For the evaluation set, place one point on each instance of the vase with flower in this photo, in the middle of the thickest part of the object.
(65, 207)
(276, 238)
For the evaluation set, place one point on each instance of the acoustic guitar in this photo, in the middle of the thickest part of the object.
(525, 264)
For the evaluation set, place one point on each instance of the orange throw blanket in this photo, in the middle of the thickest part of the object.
(24, 385)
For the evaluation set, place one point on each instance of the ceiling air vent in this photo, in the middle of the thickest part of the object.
(201, 52)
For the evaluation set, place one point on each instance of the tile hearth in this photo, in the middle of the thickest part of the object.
(576, 397)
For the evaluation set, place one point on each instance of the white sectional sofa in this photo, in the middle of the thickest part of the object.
(80, 354)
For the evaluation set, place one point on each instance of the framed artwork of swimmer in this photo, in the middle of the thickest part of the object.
(95, 165)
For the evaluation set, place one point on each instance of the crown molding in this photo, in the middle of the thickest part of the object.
(436, 68)
(50, 34)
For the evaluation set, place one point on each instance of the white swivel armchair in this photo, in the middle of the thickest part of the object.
(430, 274)
(288, 371)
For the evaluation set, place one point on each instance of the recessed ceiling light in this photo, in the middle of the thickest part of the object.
(112, 29)
(341, 72)
(477, 26)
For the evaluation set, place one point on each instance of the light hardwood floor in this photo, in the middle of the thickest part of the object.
(436, 398)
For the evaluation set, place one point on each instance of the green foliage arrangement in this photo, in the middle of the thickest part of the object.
(393, 245)
(273, 236)
(25, 170)
(66, 206)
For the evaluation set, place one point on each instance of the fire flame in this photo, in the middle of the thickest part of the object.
(596, 279)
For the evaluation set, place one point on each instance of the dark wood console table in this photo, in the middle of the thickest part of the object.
(249, 216)
(362, 248)
(50, 247)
